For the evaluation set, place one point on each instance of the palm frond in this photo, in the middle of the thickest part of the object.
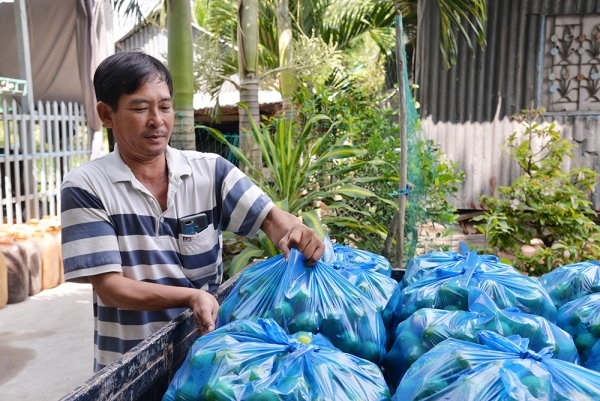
(457, 15)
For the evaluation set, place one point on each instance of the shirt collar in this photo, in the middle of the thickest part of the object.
(117, 170)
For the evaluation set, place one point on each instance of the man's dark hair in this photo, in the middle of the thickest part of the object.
(125, 73)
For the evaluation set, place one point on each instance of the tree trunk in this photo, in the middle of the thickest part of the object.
(181, 65)
(248, 64)
(287, 77)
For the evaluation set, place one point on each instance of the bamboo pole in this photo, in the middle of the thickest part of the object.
(402, 196)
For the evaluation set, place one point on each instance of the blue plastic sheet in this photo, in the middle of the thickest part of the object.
(449, 289)
(426, 265)
(250, 361)
(581, 319)
(568, 283)
(428, 327)
(498, 369)
(316, 299)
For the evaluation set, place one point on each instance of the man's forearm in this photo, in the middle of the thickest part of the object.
(120, 292)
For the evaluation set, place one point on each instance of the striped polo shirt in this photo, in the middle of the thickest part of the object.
(112, 223)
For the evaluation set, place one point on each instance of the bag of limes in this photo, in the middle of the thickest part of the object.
(378, 287)
(426, 265)
(428, 327)
(249, 361)
(581, 319)
(497, 369)
(314, 299)
(449, 290)
(570, 282)
(364, 259)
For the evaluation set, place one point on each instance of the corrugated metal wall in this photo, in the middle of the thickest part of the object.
(152, 39)
(466, 109)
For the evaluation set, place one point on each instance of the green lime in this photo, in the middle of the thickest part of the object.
(451, 293)
(525, 329)
(265, 394)
(347, 341)
(564, 290)
(539, 388)
(355, 310)
(408, 339)
(302, 301)
(305, 321)
(433, 385)
(247, 289)
(219, 391)
(570, 329)
(412, 354)
(305, 338)
(187, 392)
(575, 319)
(370, 351)
(332, 326)
(257, 372)
(585, 341)
(283, 311)
(595, 329)
(201, 359)
(435, 333)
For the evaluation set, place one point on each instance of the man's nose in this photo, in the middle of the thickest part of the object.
(155, 118)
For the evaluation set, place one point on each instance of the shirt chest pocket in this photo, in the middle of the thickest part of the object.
(198, 244)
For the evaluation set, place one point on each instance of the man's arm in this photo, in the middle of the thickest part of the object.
(121, 292)
(287, 231)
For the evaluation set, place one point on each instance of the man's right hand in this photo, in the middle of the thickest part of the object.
(120, 292)
(205, 309)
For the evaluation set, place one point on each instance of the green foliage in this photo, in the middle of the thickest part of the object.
(545, 203)
(435, 178)
(308, 166)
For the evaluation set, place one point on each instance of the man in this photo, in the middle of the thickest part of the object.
(120, 214)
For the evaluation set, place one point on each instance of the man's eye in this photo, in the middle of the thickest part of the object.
(138, 109)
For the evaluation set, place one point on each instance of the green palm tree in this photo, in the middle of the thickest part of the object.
(338, 22)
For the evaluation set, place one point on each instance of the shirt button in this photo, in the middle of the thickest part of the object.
(162, 219)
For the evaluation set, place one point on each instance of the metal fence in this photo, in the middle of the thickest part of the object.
(36, 150)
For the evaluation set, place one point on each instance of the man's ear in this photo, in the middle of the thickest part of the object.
(105, 112)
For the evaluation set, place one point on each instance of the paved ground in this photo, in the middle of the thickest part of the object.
(46, 344)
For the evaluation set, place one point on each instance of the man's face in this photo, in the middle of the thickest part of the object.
(143, 122)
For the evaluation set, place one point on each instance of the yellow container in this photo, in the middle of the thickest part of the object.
(52, 226)
(50, 258)
(44, 234)
(3, 281)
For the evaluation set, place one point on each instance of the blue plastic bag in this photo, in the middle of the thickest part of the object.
(568, 283)
(427, 264)
(314, 299)
(499, 369)
(581, 319)
(259, 361)
(378, 287)
(364, 259)
(428, 327)
(449, 290)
